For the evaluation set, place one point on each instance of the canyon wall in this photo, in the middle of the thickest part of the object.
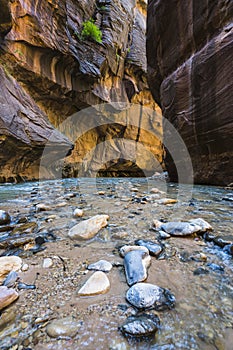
(190, 70)
(43, 51)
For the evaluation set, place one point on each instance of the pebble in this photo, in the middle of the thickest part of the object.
(145, 295)
(166, 201)
(8, 264)
(200, 271)
(228, 249)
(140, 326)
(78, 213)
(135, 266)
(22, 285)
(128, 248)
(7, 296)
(25, 267)
(98, 283)
(42, 207)
(64, 327)
(47, 262)
(101, 265)
(87, 229)
(164, 235)
(4, 217)
(178, 228)
(61, 205)
(10, 279)
(154, 248)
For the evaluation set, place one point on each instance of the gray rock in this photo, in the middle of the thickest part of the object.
(145, 296)
(178, 228)
(4, 217)
(139, 326)
(154, 248)
(101, 265)
(7, 296)
(65, 327)
(10, 279)
(135, 264)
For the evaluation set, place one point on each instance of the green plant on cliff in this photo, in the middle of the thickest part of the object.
(91, 31)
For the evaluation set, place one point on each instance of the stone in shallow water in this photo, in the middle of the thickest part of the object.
(154, 248)
(7, 296)
(140, 326)
(98, 283)
(87, 229)
(178, 228)
(228, 249)
(101, 265)
(42, 207)
(135, 264)
(145, 296)
(128, 248)
(65, 327)
(221, 241)
(8, 264)
(4, 217)
(77, 213)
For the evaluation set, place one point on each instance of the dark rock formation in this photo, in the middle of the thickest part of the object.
(190, 66)
(43, 49)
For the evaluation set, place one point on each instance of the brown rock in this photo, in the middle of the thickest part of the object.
(98, 283)
(7, 296)
(8, 264)
(87, 229)
(190, 68)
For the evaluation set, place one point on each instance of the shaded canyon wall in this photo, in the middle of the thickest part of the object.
(190, 69)
(41, 50)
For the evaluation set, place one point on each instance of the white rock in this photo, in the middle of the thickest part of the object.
(87, 229)
(8, 264)
(204, 225)
(25, 267)
(7, 296)
(128, 248)
(98, 283)
(77, 213)
(101, 265)
(47, 262)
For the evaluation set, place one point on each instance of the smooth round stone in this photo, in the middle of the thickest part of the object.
(146, 295)
(4, 217)
(25, 267)
(78, 213)
(98, 283)
(154, 248)
(101, 265)
(139, 326)
(128, 248)
(87, 229)
(47, 262)
(65, 327)
(7, 296)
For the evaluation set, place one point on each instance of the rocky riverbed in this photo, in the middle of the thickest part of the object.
(59, 298)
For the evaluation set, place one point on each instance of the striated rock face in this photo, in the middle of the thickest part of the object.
(190, 66)
(43, 49)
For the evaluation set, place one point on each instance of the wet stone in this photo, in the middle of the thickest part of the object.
(101, 265)
(215, 267)
(221, 241)
(154, 248)
(98, 283)
(10, 279)
(140, 326)
(87, 229)
(4, 217)
(145, 296)
(200, 271)
(135, 264)
(228, 249)
(7, 296)
(65, 327)
(29, 228)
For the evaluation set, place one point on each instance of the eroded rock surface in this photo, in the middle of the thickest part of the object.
(190, 51)
(42, 49)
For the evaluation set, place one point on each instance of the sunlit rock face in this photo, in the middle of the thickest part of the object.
(190, 69)
(42, 48)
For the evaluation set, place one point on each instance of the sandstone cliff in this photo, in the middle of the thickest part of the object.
(190, 68)
(43, 50)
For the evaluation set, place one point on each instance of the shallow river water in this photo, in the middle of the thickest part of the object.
(203, 315)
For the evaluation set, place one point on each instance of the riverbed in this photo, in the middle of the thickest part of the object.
(203, 315)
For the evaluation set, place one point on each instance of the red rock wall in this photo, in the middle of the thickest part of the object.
(190, 68)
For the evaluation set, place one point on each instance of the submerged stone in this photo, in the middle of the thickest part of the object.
(98, 283)
(145, 296)
(87, 229)
(78, 213)
(154, 248)
(135, 264)
(140, 326)
(101, 265)
(65, 327)
(4, 217)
